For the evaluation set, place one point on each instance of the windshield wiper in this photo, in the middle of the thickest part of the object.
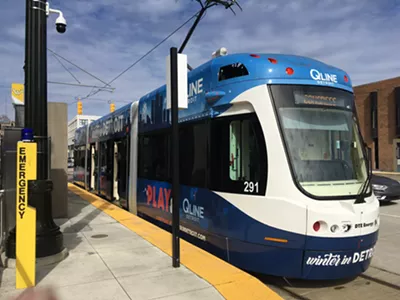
(360, 198)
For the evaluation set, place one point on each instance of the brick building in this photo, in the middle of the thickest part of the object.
(378, 108)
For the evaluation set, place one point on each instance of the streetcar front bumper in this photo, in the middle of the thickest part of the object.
(336, 263)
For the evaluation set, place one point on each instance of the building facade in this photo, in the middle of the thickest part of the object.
(378, 109)
(77, 122)
(5, 122)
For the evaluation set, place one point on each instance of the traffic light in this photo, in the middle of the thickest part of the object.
(112, 107)
(79, 107)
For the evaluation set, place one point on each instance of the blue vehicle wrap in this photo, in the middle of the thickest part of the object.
(211, 222)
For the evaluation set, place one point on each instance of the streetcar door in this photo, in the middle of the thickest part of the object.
(88, 167)
(114, 181)
(106, 171)
(121, 171)
(96, 169)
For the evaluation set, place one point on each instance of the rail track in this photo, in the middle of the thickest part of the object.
(376, 283)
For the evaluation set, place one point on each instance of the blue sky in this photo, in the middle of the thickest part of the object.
(106, 36)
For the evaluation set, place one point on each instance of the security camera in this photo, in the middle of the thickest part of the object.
(61, 24)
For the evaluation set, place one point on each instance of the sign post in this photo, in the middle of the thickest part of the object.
(25, 214)
(177, 98)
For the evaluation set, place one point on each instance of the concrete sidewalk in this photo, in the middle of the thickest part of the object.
(108, 261)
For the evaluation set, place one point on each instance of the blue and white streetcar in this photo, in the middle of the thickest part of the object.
(274, 174)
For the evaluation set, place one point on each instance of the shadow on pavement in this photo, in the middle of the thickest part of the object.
(289, 286)
(71, 228)
(388, 203)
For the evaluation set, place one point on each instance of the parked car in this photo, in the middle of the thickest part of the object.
(385, 189)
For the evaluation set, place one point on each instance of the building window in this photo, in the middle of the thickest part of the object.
(374, 114)
(83, 122)
(397, 104)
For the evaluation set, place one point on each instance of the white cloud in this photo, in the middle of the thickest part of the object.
(106, 36)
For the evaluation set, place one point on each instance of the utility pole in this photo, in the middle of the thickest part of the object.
(49, 239)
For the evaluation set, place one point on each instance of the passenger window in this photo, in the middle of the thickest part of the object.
(154, 160)
(193, 154)
(244, 152)
(238, 157)
(235, 157)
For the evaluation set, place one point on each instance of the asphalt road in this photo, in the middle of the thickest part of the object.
(380, 281)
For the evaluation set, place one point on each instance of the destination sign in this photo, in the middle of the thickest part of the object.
(318, 99)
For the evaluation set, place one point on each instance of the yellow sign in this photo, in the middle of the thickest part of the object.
(25, 217)
(17, 93)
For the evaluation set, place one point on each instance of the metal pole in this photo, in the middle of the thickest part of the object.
(49, 239)
(191, 30)
(175, 158)
(196, 22)
(28, 58)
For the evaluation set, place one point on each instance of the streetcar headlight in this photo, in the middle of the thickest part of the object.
(346, 227)
(334, 228)
(379, 187)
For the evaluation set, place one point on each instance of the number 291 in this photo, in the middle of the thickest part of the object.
(250, 187)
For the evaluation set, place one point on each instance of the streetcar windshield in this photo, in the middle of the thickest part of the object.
(322, 139)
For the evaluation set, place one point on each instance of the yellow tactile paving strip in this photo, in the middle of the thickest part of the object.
(230, 281)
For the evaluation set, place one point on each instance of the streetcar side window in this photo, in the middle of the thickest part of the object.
(193, 154)
(79, 157)
(154, 162)
(238, 157)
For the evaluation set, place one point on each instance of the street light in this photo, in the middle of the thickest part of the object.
(49, 239)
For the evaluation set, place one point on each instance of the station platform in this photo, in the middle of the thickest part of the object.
(113, 254)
